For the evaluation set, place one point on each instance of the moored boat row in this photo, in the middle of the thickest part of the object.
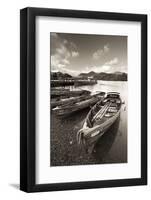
(73, 107)
(105, 111)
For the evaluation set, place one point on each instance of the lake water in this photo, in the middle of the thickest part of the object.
(112, 146)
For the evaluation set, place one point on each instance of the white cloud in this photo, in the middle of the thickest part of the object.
(105, 68)
(66, 61)
(70, 71)
(62, 52)
(61, 57)
(97, 54)
(108, 67)
(61, 66)
(97, 69)
(101, 52)
(54, 62)
(122, 68)
(106, 48)
(65, 41)
(73, 45)
(75, 54)
(57, 62)
(114, 61)
(113, 68)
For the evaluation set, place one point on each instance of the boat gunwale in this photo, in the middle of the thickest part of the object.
(103, 124)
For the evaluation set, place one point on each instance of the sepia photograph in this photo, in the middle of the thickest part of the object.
(88, 99)
(83, 99)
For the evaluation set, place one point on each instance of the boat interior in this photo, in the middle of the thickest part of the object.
(103, 110)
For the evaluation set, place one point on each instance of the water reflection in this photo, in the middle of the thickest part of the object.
(105, 143)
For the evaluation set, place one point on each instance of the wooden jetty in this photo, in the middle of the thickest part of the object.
(58, 83)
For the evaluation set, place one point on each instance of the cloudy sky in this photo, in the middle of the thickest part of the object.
(78, 53)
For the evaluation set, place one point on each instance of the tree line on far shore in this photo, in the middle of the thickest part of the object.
(116, 76)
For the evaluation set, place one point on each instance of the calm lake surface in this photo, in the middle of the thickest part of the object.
(112, 146)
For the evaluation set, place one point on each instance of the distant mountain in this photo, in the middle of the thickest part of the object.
(59, 75)
(116, 76)
(92, 73)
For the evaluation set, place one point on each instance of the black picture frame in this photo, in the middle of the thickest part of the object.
(28, 99)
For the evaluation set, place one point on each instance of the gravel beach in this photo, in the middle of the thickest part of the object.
(65, 150)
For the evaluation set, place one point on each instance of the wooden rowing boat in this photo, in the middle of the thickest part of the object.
(99, 119)
(67, 101)
(67, 93)
(65, 110)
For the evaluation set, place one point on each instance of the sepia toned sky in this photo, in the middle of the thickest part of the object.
(80, 53)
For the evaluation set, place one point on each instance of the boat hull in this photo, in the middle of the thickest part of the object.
(80, 105)
(73, 109)
(68, 93)
(90, 136)
(67, 101)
